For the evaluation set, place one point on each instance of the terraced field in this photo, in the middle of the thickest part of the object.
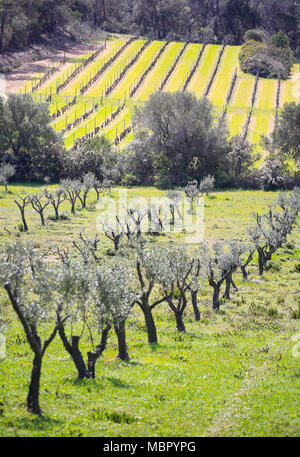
(99, 97)
(183, 68)
(224, 76)
(156, 75)
(202, 75)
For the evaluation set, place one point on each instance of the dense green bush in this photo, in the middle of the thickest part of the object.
(270, 57)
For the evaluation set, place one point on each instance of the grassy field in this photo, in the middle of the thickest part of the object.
(266, 94)
(183, 68)
(236, 120)
(232, 374)
(202, 75)
(221, 84)
(156, 75)
(262, 122)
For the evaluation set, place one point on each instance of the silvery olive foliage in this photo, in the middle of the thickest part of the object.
(175, 279)
(31, 279)
(7, 171)
(87, 184)
(221, 261)
(30, 283)
(72, 189)
(269, 231)
(56, 198)
(97, 293)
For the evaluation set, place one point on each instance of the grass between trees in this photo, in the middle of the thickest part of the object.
(231, 374)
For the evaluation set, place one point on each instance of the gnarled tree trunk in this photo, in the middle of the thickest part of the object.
(34, 387)
(195, 306)
(121, 335)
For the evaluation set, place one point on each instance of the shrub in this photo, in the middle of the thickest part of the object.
(256, 35)
(270, 58)
(129, 180)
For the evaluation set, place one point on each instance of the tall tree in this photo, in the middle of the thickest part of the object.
(182, 135)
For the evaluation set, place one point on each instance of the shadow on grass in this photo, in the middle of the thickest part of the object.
(116, 382)
(96, 383)
(154, 346)
(32, 422)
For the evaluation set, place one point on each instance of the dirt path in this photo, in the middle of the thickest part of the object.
(17, 78)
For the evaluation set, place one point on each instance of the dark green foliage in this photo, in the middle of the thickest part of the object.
(180, 133)
(90, 158)
(286, 136)
(270, 57)
(27, 140)
(203, 21)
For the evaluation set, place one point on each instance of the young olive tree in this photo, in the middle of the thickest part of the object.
(21, 203)
(175, 279)
(221, 262)
(246, 259)
(72, 189)
(269, 232)
(30, 284)
(207, 185)
(98, 188)
(175, 198)
(56, 198)
(39, 203)
(88, 248)
(88, 183)
(150, 264)
(7, 171)
(96, 297)
(137, 215)
(196, 282)
(191, 191)
(113, 232)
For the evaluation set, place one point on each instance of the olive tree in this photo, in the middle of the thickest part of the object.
(150, 265)
(191, 191)
(175, 278)
(175, 198)
(88, 183)
(97, 296)
(269, 231)
(7, 171)
(30, 284)
(56, 198)
(196, 282)
(72, 188)
(220, 262)
(207, 185)
(21, 203)
(39, 203)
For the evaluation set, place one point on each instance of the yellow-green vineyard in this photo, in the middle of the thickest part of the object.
(96, 93)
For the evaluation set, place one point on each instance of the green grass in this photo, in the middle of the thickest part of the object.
(231, 374)
(137, 70)
(156, 75)
(74, 86)
(290, 88)
(202, 75)
(113, 71)
(229, 62)
(183, 68)
(236, 119)
(241, 97)
(266, 94)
